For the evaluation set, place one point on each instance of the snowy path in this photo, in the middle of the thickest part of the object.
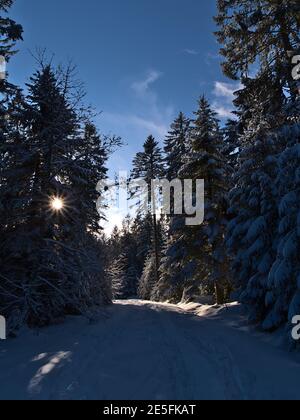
(146, 351)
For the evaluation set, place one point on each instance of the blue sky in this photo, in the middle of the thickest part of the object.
(141, 61)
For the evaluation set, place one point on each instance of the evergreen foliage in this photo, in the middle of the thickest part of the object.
(51, 260)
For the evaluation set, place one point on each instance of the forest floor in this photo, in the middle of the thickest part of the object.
(141, 350)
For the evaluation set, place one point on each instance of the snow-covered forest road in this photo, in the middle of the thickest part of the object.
(143, 350)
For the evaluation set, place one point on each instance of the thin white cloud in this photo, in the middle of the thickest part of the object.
(155, 127)
(191, 52)
(226, 90)
(152, 116)
(142, 88)
(222, 111)
(138, 125)
(224, 96)
(145, 114)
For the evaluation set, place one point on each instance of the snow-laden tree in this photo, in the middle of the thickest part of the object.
(252, 230)
(231, 143)
(10, 33)
(283, 287)
(11, 103)
(175, 270)
(89, 156)
(172, 270)
(142, 232)
(125, 275)
(127, 251)
(176, 145)
(52, 263)
(195, 258)
(148, 166)
(205, 161)
(261, 235)
(259, 106)
(263, 33)
(118, 275)
(259, 37)
(148, 282)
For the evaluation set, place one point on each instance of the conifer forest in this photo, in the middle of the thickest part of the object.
(154, 304)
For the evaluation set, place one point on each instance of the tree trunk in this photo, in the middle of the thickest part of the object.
(219, 291)
(156, 248)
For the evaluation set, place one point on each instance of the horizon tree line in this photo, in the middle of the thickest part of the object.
(54, 263)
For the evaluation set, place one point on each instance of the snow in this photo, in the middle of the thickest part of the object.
(143, 350)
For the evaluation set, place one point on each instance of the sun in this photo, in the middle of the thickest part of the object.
(57, 204)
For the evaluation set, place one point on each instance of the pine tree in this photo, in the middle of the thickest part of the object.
(149, 166)
(252, 230)
(259, 32)
(148, 280)
(253, 199)
(173, 275)
(206, 162)
(123, 278)
(10, 33)
(128, 262)
(176, 145)
(148, 288)
(195, 260)
(128, 248)
(11, 103)
(53, 263)
(259, 106)
(12, 151)
(231, 142)
(261, 235)
(282, 300)
(175, 271)
(142, 231)
(87, 168)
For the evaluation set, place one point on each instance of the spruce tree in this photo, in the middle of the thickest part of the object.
(259, 32)
(123, 276)
(11, 103)
(253, 199)
(195, 261)
(10, 33)
(149, 166)
(53, 263)
(252, 230)
(261, 235)
(282, 300)
(205, 161)
(128, 249)
(86, 169)
(231, 142)
(142, 231)
(173, 275)
(148, 282)
(175, 270)
(176, 145)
